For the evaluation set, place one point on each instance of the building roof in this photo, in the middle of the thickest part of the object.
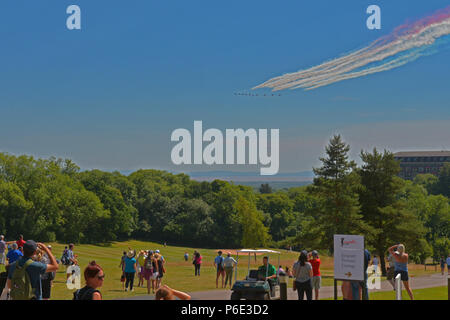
(422, 154)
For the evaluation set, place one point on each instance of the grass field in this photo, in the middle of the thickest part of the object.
(180, 274)
(436, 293)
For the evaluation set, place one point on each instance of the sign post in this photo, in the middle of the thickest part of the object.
(348, 259)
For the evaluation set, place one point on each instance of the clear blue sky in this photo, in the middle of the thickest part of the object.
(109, 96)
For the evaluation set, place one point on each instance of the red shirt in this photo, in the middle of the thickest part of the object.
(315, 266)
(20, 243)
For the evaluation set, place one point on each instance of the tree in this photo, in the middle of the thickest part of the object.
(443, 184)
(254, 233)
(336, 185)
(427, 180)
(380, 205)
(265, 188)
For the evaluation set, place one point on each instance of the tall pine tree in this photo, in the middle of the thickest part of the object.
(336, 186)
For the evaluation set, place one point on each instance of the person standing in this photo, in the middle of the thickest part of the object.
(48, 277)
(220, 271)
(148, 270)
(71, 260)
(2, 250)
(317, 278)
(94, 276)
(401, 266)
(141, 261)
(442, 263)
(229, 264)
(303, 273)
(391, 270)
(364, 285)
(448, 264)
(375, 263)
(20, 242)
(161, 269)
(14, 254)
(197, 263)
(155, 272)
(33, 269)
(186, 256)
(130, 269)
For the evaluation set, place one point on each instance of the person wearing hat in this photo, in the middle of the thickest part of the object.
(229, 264)
(33, 268)
(14, 254)
(130, 269)
(160, 256)
(314, 260)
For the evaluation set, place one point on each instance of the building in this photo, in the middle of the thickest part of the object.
(419, 162)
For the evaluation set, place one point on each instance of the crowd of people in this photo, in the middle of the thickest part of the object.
(149, 266)
(30, 269)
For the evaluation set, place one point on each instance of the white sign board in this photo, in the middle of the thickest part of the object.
(348, 257)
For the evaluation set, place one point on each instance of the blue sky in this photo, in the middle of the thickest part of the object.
(109, 96)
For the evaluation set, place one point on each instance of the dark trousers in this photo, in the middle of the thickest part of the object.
(302, 288)
(197, 269)
(130, 279)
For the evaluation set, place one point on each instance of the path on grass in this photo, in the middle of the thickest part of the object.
(435, 280)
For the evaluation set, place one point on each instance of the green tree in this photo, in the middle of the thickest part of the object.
(336, 185)
(443, 184)
(265, 188)
(254, 233)
(380, 204)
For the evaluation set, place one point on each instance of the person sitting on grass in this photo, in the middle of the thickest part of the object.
(166, 293)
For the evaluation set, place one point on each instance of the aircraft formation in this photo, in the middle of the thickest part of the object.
(249, 94)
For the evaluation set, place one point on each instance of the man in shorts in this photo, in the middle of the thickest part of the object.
(218, 263)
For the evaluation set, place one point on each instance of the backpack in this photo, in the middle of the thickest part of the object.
(65, 258)
(21, 284)
(148, 264)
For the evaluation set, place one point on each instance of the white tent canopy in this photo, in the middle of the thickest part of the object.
(257, 251)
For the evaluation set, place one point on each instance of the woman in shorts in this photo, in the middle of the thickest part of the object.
(160, 265)
(147, 270)
(154, 276)
(401, 266)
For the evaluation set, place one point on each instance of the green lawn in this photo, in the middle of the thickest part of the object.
(436, 293)
(180, 274)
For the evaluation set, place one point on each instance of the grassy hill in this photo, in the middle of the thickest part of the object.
(180, 274)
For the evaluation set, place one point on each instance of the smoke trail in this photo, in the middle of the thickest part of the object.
(405, 44)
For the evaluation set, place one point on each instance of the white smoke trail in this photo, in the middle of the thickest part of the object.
(401, 50)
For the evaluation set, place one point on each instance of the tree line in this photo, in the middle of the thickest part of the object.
(53, 200)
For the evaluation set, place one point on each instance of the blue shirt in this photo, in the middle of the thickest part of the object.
(218, 260)
(34, 270)
(14, 255)
(129, 265)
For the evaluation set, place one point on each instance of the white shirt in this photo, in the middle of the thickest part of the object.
(229, 262)
(375, 261)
